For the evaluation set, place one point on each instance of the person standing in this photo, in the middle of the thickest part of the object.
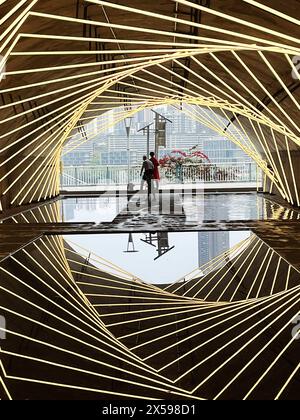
(156, 175)
(147, 173)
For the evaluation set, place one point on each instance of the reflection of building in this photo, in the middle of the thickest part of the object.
(212, 244)
(68, 207)
(72, 205)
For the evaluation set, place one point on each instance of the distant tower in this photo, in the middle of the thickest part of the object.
(212, 244)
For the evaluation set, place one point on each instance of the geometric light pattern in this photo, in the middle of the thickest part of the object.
(76, 330)
(83, 328)
(57, 78)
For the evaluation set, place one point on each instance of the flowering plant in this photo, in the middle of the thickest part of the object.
(178, 158)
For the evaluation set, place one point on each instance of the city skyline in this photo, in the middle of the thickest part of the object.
(183, 133)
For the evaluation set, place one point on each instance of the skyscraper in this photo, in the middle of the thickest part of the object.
(212, 244)
(183, 133)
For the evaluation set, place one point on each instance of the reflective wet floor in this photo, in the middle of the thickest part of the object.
(274, 222)
(224, 207)
(94, 209)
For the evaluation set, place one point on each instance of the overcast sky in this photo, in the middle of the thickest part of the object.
(177, 263)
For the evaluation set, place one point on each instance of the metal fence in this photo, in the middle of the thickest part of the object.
(73, 176)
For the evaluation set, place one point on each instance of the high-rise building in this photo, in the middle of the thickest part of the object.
(183, 133)
(80, 156)
(212, 244)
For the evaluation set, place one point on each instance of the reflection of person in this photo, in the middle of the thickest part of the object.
(147, 173)
(156, 175)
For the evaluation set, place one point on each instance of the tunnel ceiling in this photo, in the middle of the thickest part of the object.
(79, 330)
(66, 63)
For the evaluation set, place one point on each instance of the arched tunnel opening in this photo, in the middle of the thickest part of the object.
(185, 290)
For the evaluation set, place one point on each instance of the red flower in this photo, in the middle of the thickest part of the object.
(201, 155)
(180, 152)
(183, 157)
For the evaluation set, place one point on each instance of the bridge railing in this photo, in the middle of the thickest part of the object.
(73, 176)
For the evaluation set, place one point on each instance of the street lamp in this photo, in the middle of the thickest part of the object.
(128, 124)
(130, 245)
(146, 130)
(162, 239)
(159, 131)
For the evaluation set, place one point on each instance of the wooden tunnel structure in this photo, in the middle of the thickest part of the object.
(74, 330)
(62, 65)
